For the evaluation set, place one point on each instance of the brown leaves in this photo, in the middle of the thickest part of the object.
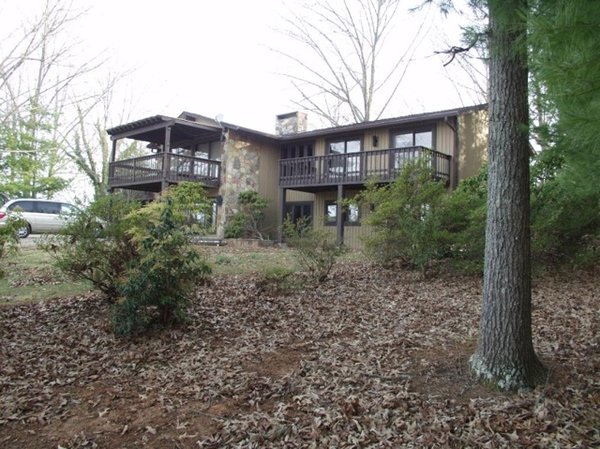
(371, 358)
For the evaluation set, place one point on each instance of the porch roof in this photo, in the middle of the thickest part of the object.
(152, 129)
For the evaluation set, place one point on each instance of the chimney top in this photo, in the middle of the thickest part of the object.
(290, 123)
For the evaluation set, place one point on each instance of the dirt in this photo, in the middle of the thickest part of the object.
(372, 358)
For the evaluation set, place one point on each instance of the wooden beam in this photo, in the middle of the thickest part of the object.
(166, 151)
(339, 216)
(113, 153)
(142, 130)
(281, 213)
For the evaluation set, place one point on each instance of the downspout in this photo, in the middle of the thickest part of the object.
(453, 125)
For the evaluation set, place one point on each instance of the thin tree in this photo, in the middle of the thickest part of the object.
(347, 77)
(505, 355)
(39, 73)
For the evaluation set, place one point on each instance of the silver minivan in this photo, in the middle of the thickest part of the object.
(42, 216)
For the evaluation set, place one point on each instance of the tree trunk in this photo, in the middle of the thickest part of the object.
(505, 356)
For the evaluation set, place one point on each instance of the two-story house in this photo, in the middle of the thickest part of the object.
(302, 173)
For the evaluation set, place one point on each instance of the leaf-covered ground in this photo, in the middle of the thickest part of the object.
(370, 359)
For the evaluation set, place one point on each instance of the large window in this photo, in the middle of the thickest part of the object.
(348, 162)
(407, 141)
(297, 211)
(295, 150)
(351, 214)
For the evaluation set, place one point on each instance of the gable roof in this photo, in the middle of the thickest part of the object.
(189, 123)
(356, 127)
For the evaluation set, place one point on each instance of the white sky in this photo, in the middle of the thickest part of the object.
(214, 57)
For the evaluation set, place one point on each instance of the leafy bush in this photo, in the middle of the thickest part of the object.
(236, 226)
(277, 281)
(314, 248)
(96, 246)
(161, 278)
(247, 223)
(462, 218)
(9, 238)
(141, 258)
(565, 222)
(405, 218)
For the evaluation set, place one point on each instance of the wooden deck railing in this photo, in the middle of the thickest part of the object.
(357, 168)
(149, 169)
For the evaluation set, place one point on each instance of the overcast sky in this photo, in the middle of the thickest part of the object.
(216, 57)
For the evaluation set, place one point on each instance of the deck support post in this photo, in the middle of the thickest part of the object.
(281, 213)
(166, 159)
(339, 216)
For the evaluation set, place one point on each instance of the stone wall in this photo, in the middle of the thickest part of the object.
(239, 172)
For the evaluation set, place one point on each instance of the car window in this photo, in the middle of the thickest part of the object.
(44, 207)
(22, 206)
(67, 209)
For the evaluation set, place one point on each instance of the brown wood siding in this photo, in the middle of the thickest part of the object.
(353, 234)
(383, 138)
(444, 138)
(295, 195)
(320, 147)
(473, 141)
(268, 184)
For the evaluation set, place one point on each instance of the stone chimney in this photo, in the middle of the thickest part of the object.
(290, 123)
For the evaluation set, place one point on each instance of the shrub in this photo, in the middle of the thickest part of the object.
(9, 239)
(95, 245)
(277, 281)
(162, 277)
(141, 258)
(405, 218)
(247, 223)
(462, 218)
(236, 226)
(315, 250)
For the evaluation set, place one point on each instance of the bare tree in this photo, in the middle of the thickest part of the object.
(346, 76)
(85, 141)
(42, 100)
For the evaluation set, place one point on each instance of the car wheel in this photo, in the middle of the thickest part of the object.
(24, 231)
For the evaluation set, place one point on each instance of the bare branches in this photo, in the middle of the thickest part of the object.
(341, 69)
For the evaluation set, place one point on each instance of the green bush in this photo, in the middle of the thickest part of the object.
(247, 223)
(9, 239)
(95, 246)
(277, 281)
(140, 257)
(565, 222)
(405, 218)
(315, 249)
(462, 218)
(162, 277)
(236, 226)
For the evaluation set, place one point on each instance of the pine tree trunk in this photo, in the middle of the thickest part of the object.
(505, 356)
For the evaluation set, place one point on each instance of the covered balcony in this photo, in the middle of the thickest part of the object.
(317, 172)
(182, 150)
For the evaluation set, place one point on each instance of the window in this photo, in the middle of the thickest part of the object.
(67, 209)
(22, 206)
(203, 150)
(304, 168)
(48, 208)
(407, 141)
(296, 150)
(422, 138)
(344, 165)
(351, 214)
(297, 211)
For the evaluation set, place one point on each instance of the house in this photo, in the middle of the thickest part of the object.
(302, 173)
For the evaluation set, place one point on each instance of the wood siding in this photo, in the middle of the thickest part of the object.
(267, 184)
(473, 142)
(353, 234)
